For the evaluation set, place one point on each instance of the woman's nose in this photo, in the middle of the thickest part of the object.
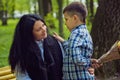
(44, 28)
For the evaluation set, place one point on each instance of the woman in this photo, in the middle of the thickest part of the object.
(34, 55)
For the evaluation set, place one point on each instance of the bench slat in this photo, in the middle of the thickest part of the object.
(6, 77)
(13, 79)
(4, 68)
(5, 74)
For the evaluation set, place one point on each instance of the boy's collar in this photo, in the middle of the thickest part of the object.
(84, 25)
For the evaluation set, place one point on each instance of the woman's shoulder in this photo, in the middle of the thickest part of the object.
(50, 40)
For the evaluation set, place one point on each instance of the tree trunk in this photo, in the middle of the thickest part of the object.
(60, 3)
(105, 31)
(47, 6)
(4, 18)
(91, 10)
(35, 8)
(13, 8)
(40, 6)
(3, 12)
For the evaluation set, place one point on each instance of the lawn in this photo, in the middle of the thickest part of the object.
(6, 35)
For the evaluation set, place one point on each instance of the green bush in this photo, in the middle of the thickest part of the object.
(51, 21)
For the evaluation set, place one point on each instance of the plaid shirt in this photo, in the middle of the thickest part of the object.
(78, 51)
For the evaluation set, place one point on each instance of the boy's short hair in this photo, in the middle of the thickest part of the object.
(76, 8)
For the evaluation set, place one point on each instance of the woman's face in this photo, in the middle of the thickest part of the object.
(39, 30)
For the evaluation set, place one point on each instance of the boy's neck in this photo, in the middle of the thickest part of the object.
(79, 23)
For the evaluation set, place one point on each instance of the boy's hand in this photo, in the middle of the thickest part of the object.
(95, 63)
(58, 37)
(91, 70)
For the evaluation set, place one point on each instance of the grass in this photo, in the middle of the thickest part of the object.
(6, 35)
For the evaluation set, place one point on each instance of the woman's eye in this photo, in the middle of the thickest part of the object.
(43, 25)
(38, 30)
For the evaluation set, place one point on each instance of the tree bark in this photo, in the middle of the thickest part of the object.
(91, 10)
(1, 8)
(45, 6)
(3, 12)
(40, 6)
(60, 3)
(13, 8)
(105, 31)
(4, 18)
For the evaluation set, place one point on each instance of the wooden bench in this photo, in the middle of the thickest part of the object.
(5, 73)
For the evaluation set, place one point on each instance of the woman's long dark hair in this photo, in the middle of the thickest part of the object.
(22, 41)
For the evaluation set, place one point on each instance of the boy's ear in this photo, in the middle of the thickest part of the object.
(75, 17)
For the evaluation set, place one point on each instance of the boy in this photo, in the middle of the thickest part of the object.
(79, 47)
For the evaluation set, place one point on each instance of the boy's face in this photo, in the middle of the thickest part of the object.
(69, 21)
